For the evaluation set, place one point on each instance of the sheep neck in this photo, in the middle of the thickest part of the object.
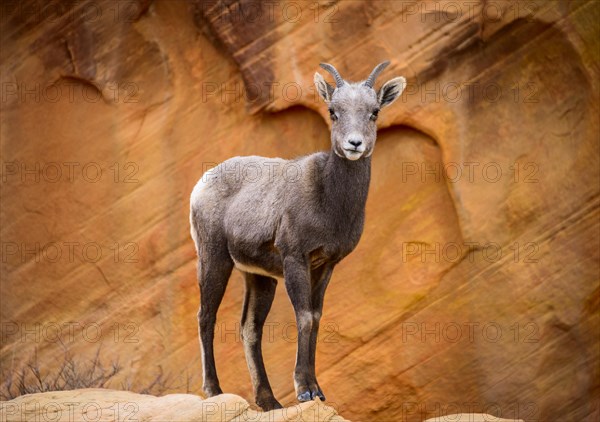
(345, 187)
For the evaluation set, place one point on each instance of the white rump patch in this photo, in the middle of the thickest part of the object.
(206, 178)
(204, 181)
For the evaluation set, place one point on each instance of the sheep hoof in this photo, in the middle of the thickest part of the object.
(306, 396)
(269, 404)
(311, 395)
(318, 394)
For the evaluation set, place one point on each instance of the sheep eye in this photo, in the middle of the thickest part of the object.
(332, 115)
(374, 115)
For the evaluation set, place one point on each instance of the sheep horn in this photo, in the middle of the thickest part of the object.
(378, 69)
(339, 81)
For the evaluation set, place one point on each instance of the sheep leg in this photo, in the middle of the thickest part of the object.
(213, 274)
(320, 279)
(260, 292)
(297, 283)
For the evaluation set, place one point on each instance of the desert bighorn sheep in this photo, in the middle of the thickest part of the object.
(253, 214)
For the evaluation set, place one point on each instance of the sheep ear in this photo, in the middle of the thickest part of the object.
(325, 90)
(390, 91)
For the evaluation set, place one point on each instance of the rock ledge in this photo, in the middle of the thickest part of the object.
(112, 405)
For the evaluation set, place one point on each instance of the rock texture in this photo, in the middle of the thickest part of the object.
(475, 288)
(113, 405)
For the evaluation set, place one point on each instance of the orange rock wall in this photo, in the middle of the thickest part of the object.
(475, 285)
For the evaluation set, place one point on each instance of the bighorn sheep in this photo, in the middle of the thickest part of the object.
(254, 214)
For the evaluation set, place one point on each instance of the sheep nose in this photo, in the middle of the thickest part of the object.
(355, 142)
